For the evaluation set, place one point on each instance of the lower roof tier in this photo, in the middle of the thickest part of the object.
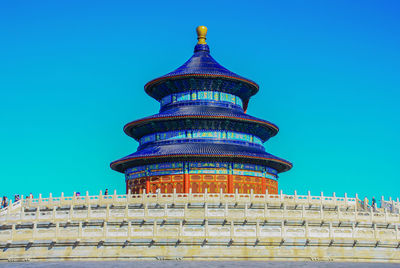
(201, 117)
(198, 152)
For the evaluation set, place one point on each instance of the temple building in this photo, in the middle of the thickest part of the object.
(201, 139)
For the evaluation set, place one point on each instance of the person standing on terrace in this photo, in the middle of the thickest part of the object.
(4, 202)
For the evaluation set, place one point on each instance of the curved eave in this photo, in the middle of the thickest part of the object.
(131, 125)
(121, 165)
(149, 86)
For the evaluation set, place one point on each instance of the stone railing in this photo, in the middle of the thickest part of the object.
(344, 208)
(184, 198)
(187, 220)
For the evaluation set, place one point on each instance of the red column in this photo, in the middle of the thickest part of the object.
(264, 185)
(186, 183)
(147, 185)
(230, 183)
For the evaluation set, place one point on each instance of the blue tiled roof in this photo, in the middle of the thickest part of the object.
(201, 63)
(203, 111)
(207, 150)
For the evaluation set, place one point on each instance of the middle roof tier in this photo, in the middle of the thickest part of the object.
(201, 118)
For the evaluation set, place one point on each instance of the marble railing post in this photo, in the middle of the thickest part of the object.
(371, 213)
(334, 199)
(232, 231)
(89, 211)
(283, 230)
(322, 198)
(79, 231)
(129, 231)
(206, 228)
(126, 212)
(146, 210)
(284, 212)
(180, 231)
(386, 215)
(87, 199)
(12, 232)
(104, 231)
(34, 231)
(321, 212)
(101, 199)
(71, 212)
(356, 209)
(129, 196)
(57, 230)
(155, 228)
(397, 206)
(37, 213)
(21, 211)
(107, 212)
(53, 214)
(306, 230)
(392, 205)
(158, 195)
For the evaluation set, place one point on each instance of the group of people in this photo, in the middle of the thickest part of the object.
(78, 194)
(5, 201)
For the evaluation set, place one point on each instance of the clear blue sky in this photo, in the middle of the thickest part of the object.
(72, 74)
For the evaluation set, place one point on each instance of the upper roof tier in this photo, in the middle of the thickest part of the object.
(201, 72)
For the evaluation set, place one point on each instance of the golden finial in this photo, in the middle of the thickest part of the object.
(201, 35)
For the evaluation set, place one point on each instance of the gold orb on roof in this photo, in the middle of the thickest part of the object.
(201, 35)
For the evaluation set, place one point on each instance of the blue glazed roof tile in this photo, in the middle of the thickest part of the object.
(207, 150)
(203, 64)
(203, 112)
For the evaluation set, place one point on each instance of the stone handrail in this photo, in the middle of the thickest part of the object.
(104, 224)
(187, 197)
(255, 207)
